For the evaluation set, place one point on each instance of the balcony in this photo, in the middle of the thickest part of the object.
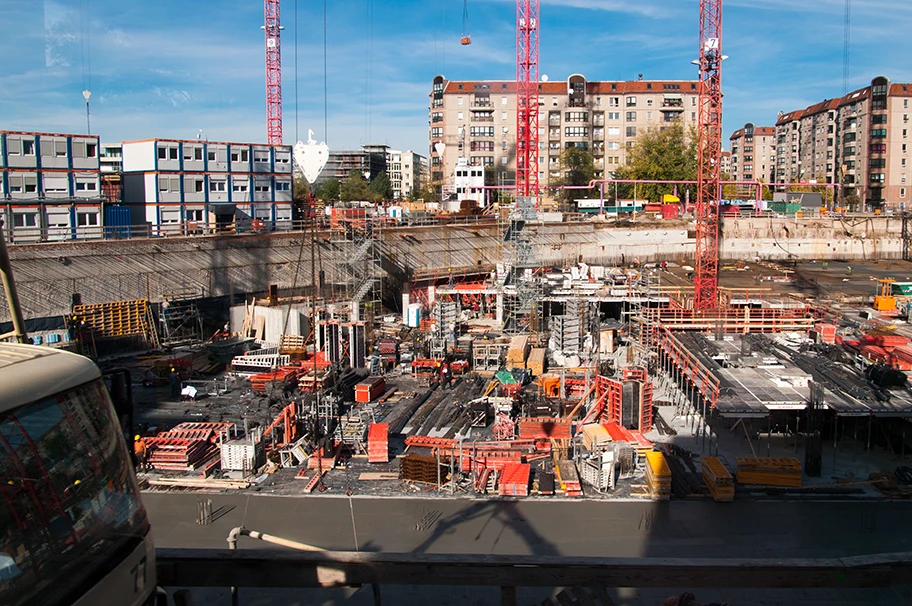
(482, 118)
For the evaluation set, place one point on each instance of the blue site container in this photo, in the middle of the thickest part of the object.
(53, 338)
(117, 221)
(37, 340)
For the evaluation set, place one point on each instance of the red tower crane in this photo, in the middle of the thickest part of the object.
(709, 156)
(527, 98)
(273, 28)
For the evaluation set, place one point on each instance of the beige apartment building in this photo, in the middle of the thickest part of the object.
(407, 172)
(753, 153)
(859, 141)
(476, 120)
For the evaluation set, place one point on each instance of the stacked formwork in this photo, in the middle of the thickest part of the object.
(378, 443)
(718, 479)
(658, 476)
(514, 480)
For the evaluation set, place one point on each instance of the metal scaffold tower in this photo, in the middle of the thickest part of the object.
(521, 287)
(709, 156)
(273, 28)
(354, 257)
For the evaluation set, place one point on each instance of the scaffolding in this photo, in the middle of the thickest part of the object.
(179, 319)
(521, 286)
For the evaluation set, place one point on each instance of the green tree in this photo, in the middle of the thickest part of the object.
(381, 188)
(576, 168)
(327, 190)
(668, 154)
(355, 187)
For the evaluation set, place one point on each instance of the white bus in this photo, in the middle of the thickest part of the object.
(72, 527)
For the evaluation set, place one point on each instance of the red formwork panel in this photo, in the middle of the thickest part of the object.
(378, 443)
(514, 480)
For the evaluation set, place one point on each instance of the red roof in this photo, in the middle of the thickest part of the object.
(592, 88)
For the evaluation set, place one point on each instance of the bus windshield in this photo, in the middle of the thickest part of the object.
(70, 506)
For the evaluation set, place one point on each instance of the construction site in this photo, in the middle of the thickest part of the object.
(497, 374)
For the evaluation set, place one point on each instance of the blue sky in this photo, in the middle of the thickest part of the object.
(170, 68)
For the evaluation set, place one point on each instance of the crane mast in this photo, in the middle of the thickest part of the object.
(273, 28)
(527, 98)
(709, 156)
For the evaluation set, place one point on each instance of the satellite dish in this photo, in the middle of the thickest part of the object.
(544, 77)
(311, 158)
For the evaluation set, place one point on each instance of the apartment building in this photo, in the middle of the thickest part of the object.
(407, 172)
(859, 141)
(188, 186)
(753, 153)
(726, 163)
(50, 186)
(477, 121)
(370, 161)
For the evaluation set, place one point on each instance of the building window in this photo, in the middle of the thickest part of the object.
(878, 148)
(631, 101)
(503, 116)
(25, 219)
(902, 192)
(91, 150)
(483, 145)
(459, 116)
(670, 116)
(877, 178)
(503, 101)
(86, 186)
(87, 219)
(879, 119)
(614, 101)
(631, 131)
(576, 131)
(162, 153)
(614, 145)
(436, 132)
(614, 115)
(239, 186)
(481, 131)
(458, 101)
(216, 186)
(503, 160)
(576, 116)
(878, 133)
(877, 163)
(283, 186)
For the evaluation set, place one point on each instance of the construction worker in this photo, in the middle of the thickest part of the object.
(139, 452)
(175, 383)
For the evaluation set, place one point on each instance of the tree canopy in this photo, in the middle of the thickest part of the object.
(327, 190)
(355, 187)
(668, 154)
(576, 168)
(381, 188)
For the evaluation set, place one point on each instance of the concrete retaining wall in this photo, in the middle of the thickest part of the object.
(48, 274)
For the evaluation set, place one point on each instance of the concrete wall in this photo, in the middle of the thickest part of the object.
(48, 274)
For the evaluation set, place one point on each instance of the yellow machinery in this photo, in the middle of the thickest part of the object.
(885, 301)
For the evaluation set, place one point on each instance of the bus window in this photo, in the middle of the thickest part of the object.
(70, 504)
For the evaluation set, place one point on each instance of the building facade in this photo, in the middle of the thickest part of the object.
(370, 161)
(477, 121)
(177, 186)
(753, 153)
(50, 186)
(407, 172)
(859, 142)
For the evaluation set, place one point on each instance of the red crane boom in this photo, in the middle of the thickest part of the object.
(709, 156)
(527, 98)
(273, 28)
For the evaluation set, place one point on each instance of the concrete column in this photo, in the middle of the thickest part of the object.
(406, 300)
(355, 312)
(498, 315)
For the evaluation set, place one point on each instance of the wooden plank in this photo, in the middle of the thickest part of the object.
(378, 475)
